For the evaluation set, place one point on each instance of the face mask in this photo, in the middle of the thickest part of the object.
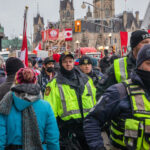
(50, 69)
(145, 76)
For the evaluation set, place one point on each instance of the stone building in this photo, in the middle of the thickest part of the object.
(96, 26)
(104, 22)
(66, 13)
(106, 9)
(38, 25)
(146, 20)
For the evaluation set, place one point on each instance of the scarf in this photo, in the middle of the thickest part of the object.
(145, 76)
(31, 135)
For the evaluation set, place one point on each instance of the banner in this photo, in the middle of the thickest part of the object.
(124, 41)
(53, 34)
(42, 54)
(68, 34)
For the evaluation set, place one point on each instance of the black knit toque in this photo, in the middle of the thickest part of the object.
(143, 55)
(13, 65)
(137, 37)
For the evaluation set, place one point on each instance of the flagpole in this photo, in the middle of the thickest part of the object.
(125, 5)
(25, 20)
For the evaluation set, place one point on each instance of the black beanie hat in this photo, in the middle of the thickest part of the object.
(143, 55)
(48, 60)
(31, 60)
(64, 55)
(85, 60)
(13, 65)
(138, 36)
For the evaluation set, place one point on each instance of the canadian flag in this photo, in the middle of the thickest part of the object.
(53, 34)
(68, 34)
(39, 47)
(24, 49)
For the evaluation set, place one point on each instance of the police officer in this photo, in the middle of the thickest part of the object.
(47, 73)
(85, 65)
(121, 68)
(127, 106)
(71, 95)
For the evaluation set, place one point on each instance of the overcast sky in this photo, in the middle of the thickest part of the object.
(11, 12)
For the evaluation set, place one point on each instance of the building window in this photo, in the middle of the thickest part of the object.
(68, 14)
(107, 12)
(132, 28)
(97, 28)
(106, 41)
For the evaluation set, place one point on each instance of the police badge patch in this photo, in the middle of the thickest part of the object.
(85, 61)
(66, 53)
(47, 91)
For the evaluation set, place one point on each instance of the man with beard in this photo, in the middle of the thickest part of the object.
(71, 95)
(121, 68)
(127, 106)
(47, 73)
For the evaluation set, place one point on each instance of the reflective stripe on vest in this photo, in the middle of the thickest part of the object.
(71, 112)
(90, 91)
(120, 69)
(140, 104)
(133, 132)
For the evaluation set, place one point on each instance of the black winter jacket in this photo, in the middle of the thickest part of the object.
(114, 103)
(109, 78)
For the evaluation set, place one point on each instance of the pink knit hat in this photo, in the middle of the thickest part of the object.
(25, 75)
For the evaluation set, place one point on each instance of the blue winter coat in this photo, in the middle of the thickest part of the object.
(11, 125)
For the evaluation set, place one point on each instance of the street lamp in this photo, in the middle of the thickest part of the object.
(110, 35)
(78, 49)
(83, 6)
(77, 42)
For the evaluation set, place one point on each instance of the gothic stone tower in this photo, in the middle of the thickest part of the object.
(38, 24)
(66, 14)
(106, 9)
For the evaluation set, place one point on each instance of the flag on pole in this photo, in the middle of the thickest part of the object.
(39, 47)
(68, 34)
(24, 49)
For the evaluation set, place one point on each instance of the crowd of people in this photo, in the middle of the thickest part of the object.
(62, 105)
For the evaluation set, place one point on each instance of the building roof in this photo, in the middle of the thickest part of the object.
(146, 21)
(63, 4)
(36, 19)
(130, 19)
(93, 25)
